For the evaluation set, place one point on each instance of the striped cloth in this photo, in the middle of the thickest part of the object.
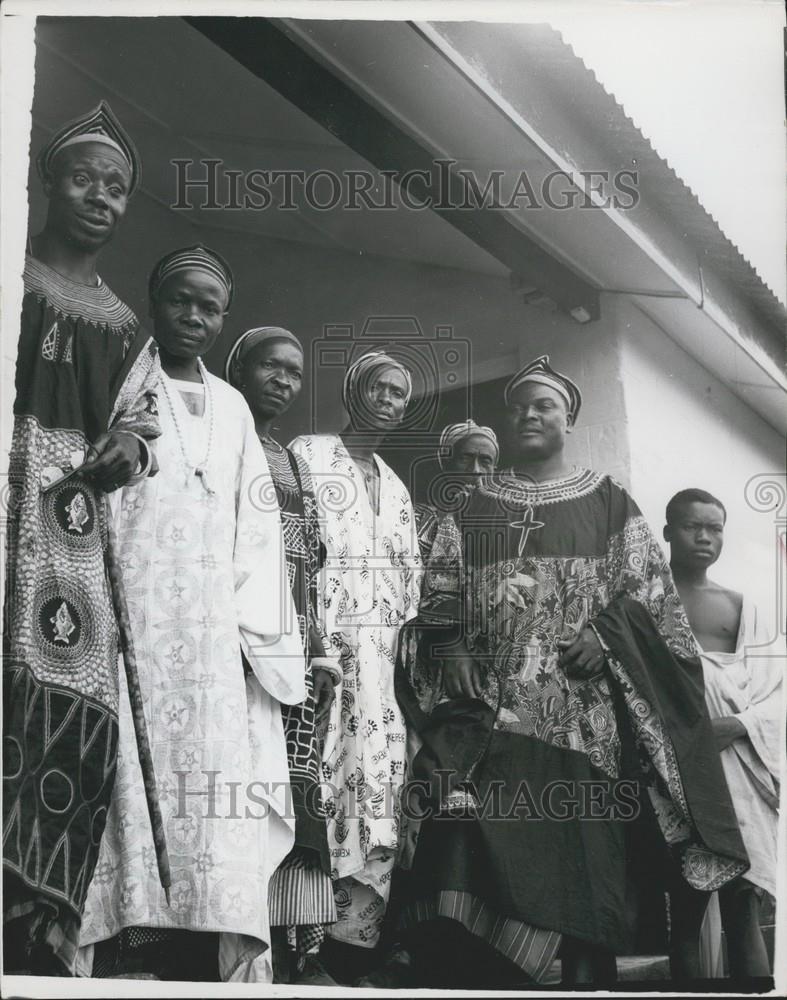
(533, 949)
(301, 895)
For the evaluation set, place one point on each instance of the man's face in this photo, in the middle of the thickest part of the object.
(474, 455)
(537, 420)
(88, 193)
(696, 535)
(188, 313)
(272, 377)
(383, 399)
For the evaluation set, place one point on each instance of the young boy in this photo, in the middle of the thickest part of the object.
(743, 694)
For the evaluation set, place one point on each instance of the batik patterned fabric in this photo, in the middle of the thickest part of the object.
(300, 891)
(520, 567)
(427, 520)
(205, 577)
(83, 368)
(369, 587)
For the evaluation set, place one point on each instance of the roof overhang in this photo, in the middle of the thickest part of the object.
(515, 98)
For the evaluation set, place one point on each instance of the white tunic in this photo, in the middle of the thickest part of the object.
(204, 574)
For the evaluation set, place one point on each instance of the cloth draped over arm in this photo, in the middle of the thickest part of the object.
(268, 623)
(521, 566)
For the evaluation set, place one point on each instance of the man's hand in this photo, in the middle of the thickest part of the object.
(726, 730)
(112, 460)
(581, 657)
(462, 677)
(323, 694)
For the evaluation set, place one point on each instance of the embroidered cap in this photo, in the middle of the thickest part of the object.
(454, 433)
(247, 342)
(359, 373)
(541, 371)
(194, 258)
(98, 125)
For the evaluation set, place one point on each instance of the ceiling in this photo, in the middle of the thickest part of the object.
(183, 97)
(222, 111)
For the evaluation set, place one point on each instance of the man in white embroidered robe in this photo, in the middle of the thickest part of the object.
(203, 560)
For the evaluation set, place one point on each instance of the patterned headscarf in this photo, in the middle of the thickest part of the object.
(195, 258)
(359, 374)
(541, 371)
(98, 125)
(454, 433)
(247, 342)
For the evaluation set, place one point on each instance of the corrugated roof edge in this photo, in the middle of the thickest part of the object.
(747, 277)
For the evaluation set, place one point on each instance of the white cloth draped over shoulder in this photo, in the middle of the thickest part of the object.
(747, 684)
(368, 588)
(204, 575)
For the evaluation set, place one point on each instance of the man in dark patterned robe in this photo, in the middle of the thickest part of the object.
(85, 406)
(266, 365)
(566, 755)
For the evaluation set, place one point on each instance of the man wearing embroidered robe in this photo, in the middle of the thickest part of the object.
(202, 557)
(369, 588)
(85, 406)
(552, 677)
(743, 691)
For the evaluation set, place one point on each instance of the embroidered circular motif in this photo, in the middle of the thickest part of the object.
(176, 590)
(177, 714)
(175, 652)
(234, 899)
(62, 621)
(57, 791)
(176, 531)
(70, 510)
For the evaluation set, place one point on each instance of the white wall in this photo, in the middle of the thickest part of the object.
(686, 430)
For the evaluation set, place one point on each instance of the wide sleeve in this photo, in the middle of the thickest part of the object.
(315, 561)
(412, 562)
(637, 568)
(763, 715)
(268, 624)
(135, 406)
(442, 585)
(330, 592)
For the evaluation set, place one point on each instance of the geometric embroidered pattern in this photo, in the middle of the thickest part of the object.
(49, 346)
(71, 300)
(59, 758)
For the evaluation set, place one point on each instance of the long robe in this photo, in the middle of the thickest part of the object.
(369, 588)
(83, 368)
(530, 833)
(301, 897)
(747, 684)
(205, 577)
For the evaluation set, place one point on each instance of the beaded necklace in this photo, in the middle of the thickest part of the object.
(201, 470)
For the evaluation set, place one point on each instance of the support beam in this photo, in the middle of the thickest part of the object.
(267, 51)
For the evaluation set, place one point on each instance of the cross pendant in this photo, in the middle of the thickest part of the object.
(527, 524)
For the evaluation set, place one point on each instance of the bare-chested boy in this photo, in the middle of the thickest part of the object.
(743, 693)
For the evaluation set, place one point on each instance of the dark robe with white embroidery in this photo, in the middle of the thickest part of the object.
(83, 368)
(550, 783)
